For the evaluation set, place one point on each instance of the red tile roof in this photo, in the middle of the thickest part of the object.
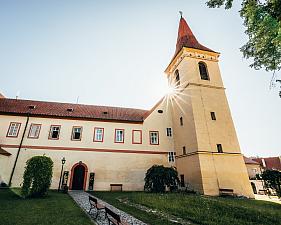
(187, 39)
(250, 161)
(80, 111)
(270, 162)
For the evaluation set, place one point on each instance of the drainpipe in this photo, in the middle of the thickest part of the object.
(13, 170)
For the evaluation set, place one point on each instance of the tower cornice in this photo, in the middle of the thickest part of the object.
(191, 53)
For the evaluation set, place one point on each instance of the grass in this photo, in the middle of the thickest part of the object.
(197, 209)
(55, 209)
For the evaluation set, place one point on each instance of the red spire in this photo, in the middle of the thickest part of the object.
(187, 39)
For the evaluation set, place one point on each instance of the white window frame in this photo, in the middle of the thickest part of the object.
(34, 130)
(171, 157)
(73, 133)
(52, 130)
(169, 132)
(154, 137)
(98, 134)
(14, 129)
(119, 136)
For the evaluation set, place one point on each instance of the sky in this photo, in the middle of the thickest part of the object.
(115, 53)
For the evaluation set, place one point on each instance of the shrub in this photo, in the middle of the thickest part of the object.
(158, 177)
(37, 176)
(272, 179)
(3, 184)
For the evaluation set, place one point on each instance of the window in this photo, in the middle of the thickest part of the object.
(13, 130)
(182, 180)
(203, 71)
(98, 134)
(183, 150)
(171, 157)
(136, 136)
(154, 137)
(54, 132)
(119, 135)
(177, 77)
(34, 130)
(213, 116)
(219, 147)
(181, 121)
(169, 132)
(76, 133)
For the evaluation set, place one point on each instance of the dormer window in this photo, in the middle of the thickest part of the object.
(31, 106)
(177, 77)
(203, 71)
(70, 110)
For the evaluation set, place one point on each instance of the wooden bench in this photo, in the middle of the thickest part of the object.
(116, 187)
(114, 218)
(226, 192)
(95, 205)
(262, 192)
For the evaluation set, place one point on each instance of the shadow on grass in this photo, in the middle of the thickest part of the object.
(55, 208)
(200, 209)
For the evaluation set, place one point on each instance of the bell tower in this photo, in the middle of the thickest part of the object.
(208, 156)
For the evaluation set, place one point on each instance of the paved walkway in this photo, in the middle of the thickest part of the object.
(82, 199)
(268, 198)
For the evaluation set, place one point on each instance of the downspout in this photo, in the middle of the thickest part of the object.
(13, 170)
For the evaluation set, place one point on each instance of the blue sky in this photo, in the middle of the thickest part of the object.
(115, 53)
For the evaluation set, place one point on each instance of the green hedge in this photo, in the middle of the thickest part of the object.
(37, 176)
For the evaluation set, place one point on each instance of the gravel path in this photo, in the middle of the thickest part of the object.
(82, 199)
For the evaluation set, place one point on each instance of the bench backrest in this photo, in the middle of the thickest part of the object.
(226, 190)
(113, 214)
(92, 200)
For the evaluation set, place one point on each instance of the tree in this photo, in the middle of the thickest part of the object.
(158, 177)
(262, 20)
(272, 179)
(37, 176)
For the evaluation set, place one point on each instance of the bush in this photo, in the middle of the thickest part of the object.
(37, 176)
(272, 179)
(158, 177)
(3, 184)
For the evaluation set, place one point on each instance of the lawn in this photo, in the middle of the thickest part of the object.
(54, 209)
(196, 208)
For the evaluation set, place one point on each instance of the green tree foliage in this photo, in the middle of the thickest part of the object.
(37, 176)
(158, 177)
(262, 20)
(272, 179)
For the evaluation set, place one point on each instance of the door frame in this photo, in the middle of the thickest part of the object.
(85, 174)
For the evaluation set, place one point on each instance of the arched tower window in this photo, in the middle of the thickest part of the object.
(203, 71)
(177, 77)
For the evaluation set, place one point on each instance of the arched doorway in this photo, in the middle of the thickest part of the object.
(78, 176)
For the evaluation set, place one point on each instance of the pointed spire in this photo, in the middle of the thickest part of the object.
(187, 39)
